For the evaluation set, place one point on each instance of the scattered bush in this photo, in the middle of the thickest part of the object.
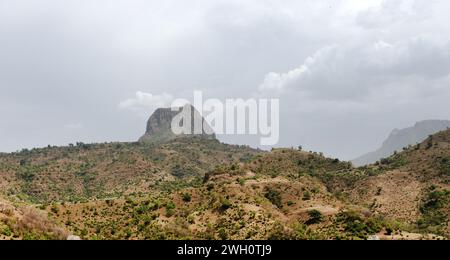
(186, 197)
(273, 196)
(210, 187)
(429, 142)
(315, 217)
(223, 234)
(434, 210)
(6, 231)
(54, 209)
(278, 232)
(170, 209)
(306, 195)
(358, 226)
(224, 203)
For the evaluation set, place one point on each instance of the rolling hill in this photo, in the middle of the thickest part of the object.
(414, 185)
(199, 188)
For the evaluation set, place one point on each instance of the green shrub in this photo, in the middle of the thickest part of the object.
(6, 232)
(191, 219)
(170, 205)
(445, 166)
(224, 203)
(26, 173)
(54, 209)
(278, 232)
(385, 161)
(429, 142)
(274, 174)
(186, 197)
(358, 226)
(306, 195)
(433, 209)
(273, 196)
(181, 171)
(170, 212)
(223, 234)
(315, 217)
(210, 187)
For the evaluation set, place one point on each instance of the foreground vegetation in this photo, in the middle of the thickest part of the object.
(194, 188)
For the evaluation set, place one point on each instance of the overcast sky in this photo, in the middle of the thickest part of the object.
(347, 72)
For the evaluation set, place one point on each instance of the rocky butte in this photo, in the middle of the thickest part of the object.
(159, 126)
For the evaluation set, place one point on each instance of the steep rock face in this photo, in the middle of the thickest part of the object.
(398, 139)
(159, 126)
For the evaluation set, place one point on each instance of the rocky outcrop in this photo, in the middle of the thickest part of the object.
(159, 126)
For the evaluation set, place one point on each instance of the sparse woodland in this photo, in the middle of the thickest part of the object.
(193, 188)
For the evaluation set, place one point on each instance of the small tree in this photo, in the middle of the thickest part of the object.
(315, 217)
(274, 197)
(186, 197)
(429, 142)
(224, 203)
(23, 162)
(223, 234)
(306, 195)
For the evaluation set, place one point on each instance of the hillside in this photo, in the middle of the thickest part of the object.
(284, 194)
(21, 222)
(87, 171)
(199, 188)
(252, 200)
(413, 186)
(398, 139)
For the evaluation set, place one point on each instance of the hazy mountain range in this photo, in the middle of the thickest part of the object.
(399, 139)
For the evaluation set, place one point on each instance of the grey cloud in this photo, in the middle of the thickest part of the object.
(353, 72)
(67, 62)
(392, 12)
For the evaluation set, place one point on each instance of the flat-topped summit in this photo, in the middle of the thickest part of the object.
(159, 125)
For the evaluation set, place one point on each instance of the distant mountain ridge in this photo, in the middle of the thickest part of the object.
(400, 138)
